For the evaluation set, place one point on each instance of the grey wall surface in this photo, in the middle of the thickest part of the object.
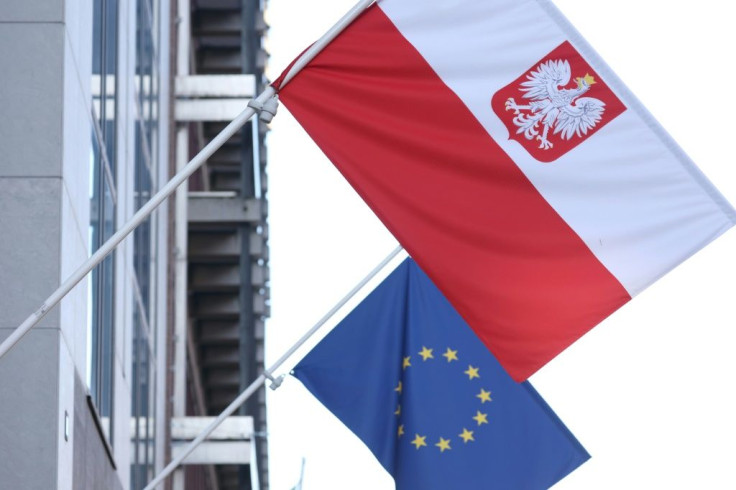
(30, 246)
(32, 11)
(92, 467)
(31, 62)
(45, 134)
(28, 410)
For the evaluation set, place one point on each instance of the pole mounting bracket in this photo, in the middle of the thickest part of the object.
(266, 110)
(275, 382)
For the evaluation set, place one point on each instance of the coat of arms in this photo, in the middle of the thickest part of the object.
(556, 105)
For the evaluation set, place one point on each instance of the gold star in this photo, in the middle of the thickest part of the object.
(401, 430)
(451, 355)
(399, 388)
(472, 372)
(426, 353)
(398, 410)
(406, 362)
(481, 418)
(485, 396)
(467, 435)
(419, 441)
(444, 445)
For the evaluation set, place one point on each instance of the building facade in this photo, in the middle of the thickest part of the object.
(101, 101)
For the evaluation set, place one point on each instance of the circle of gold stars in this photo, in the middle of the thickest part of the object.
(480, 418)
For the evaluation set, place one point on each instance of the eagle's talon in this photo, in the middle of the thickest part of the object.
(511, 105)
(544, 143)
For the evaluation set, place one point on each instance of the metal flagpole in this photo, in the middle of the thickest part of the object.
(136, 220)
(268, 374)
(301, 477)
(259, 103)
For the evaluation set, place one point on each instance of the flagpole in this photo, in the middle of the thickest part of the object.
(256, 105)
(326, 39)
(138, 218)
(268, 374)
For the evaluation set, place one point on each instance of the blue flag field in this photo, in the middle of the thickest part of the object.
(408, 376)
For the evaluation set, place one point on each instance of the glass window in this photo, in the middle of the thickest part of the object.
(143, 400)
(103, 199)
(144, 349)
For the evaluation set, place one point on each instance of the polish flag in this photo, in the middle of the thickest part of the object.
(512, 164)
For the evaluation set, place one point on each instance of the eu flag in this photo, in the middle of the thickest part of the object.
(408, 376)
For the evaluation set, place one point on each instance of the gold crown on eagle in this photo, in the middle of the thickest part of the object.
(588, 79)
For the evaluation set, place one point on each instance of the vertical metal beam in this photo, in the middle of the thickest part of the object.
(246, 351)
(181, 229)
(249, 38)
(180, 291)
(193, 359)
(165, 127)
(250, 43)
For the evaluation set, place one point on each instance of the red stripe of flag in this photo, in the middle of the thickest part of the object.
(511, 266)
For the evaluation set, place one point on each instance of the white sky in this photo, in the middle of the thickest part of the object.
(650, 392)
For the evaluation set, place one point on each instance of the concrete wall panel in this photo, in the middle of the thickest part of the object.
(30, 219)
(92, 468)
(77, 149)
(29, 376)
(31, 57)
(77, 130)
(121, 421)
(32, 10)
(73, 308)
(78, 21)
(65, 430)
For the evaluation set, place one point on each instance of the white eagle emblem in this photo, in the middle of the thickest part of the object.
(560, 109)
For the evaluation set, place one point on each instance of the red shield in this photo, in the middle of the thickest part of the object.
(549, 122)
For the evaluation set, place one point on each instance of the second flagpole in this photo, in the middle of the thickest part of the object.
(268, 374)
